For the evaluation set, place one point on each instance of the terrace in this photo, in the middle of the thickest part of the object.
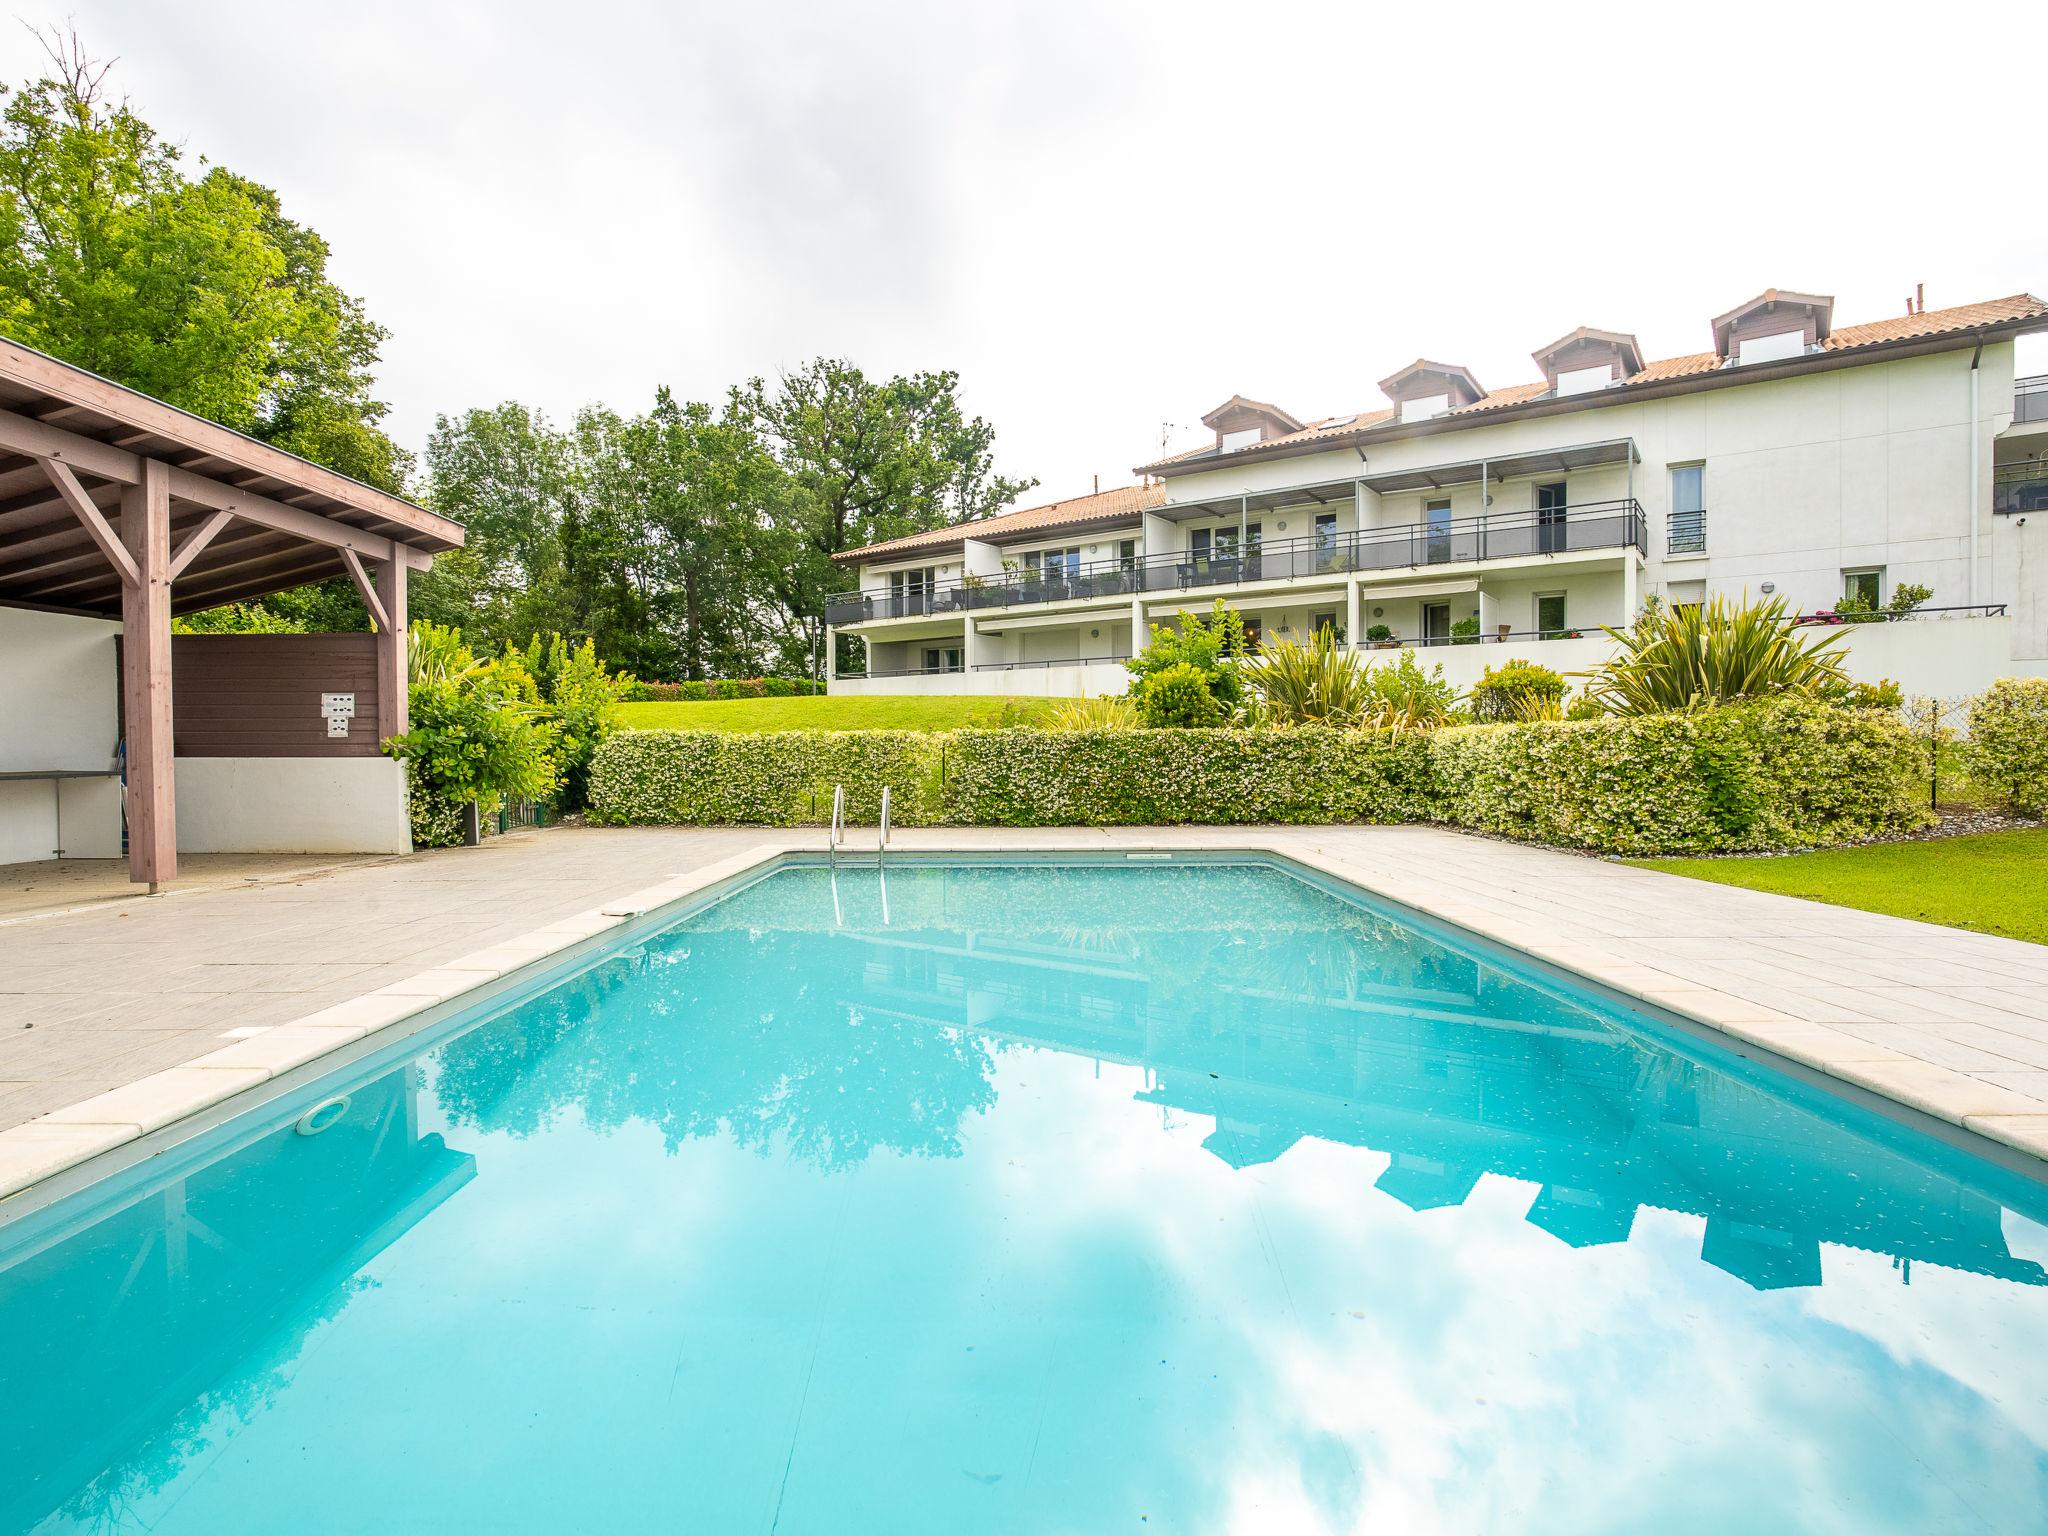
(1494, 539)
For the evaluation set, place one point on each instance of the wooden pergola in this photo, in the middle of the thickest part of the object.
(115, 505)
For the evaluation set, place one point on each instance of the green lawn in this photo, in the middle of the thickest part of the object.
(844, 713)
(1995, 882)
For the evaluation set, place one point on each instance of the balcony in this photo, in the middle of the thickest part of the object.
(2017, 489)
(2030, 399)
(1575, 529)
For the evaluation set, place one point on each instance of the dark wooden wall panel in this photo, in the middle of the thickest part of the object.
(259, 695)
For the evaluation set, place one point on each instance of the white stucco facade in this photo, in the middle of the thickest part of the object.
(1801, 482)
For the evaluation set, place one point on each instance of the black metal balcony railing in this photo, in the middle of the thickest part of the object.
(1685, 533)
(2030, 399)
(1503, 536)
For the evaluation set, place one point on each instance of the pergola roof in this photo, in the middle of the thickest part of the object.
(247, 519)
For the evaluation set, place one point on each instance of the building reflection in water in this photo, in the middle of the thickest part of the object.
(121, 1322)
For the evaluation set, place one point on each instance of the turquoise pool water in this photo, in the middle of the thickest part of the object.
(1039, 1199)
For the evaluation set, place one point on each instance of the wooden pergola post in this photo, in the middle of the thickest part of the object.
(391, 667)
(146, 677)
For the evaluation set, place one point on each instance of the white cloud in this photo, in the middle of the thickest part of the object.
(1105, 217)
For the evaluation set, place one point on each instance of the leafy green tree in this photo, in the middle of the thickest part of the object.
(865, 460)
(508, 477)
(199, 291)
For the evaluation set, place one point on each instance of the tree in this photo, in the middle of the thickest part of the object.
(508, 477)
(864, 461)
(200, 292)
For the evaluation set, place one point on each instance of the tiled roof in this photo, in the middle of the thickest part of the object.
(1117, 506)
(1932, 322)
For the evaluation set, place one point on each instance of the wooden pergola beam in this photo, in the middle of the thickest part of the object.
(82, 508)
(197, 540)
(146, 680)
(52, 445)
(365, 590)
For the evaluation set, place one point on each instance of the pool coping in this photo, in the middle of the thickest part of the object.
(43, 1148)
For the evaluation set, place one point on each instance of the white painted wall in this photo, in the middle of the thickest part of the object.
(291, 805)
(59, 691)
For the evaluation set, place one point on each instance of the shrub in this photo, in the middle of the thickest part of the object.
(1466, 630)
(724, 688)
(1179, 697)
(1213, 647)
(1504, 692)
(774, 778)
(1401, 693)
(1154, 777)
(1108, 713)
(2007, 754)
(1319, 683)
(1782, 774)
(1379, 634)
(576, 695)
(1712, 653)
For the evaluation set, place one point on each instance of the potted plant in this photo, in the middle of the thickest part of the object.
(1381, 637)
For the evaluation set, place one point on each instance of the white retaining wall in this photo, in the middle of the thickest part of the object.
(292, 805)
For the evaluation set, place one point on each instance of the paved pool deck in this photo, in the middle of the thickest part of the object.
(109, 1006)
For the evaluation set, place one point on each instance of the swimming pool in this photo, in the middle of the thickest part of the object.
(1192, 1196)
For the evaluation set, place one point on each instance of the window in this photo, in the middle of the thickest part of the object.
(1437, 514)
(1768, 349)
(1052, 564)
(1865, 587)
(1320, 622)
(942, 659)
(910, 591)
(1127, 553)
(1687, 531)
(1198, 546)
(1252, 631)
(1580, 381)
(1549, 615)
(1436, 623)
(1550, 517)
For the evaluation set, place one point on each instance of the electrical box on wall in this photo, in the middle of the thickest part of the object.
(338, 709)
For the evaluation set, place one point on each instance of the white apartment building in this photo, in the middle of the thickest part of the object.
(1796, 457)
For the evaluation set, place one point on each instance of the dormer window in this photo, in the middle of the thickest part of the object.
(1589, 360)
(1424, 389)
(1240, 423)
(1774, 325)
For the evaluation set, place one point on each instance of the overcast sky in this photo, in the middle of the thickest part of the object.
(1108, 218)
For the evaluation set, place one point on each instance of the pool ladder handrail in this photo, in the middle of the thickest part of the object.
(882, 841)
(838, 831)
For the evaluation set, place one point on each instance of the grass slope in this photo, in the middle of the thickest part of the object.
(844, 713)
(1995, 882)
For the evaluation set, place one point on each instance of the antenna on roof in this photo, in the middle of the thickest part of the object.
(1098, 485)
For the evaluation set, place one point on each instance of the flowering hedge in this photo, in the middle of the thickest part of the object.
(723, 688)
(1780, 775)
(774, 779)
(2008, 748)
(1027, 778)
(1787, 774)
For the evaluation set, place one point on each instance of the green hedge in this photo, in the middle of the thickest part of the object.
(1789, 774)
(723, 688)
(1025, 778)
(2008, 748)
(1781, 775)
(771, 778)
